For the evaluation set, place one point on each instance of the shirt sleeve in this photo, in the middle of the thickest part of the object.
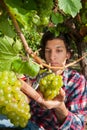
(76, 104)
(73, 122)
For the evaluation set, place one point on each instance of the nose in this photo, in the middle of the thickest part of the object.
(52, 55)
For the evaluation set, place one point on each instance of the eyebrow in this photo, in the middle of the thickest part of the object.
(56, 47)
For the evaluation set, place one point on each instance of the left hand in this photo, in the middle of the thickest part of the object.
(38, 97)
(56, 102)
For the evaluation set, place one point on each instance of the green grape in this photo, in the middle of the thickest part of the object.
(6, 102)
(5, 74)
(1, 92)
(12, 80)
(7, 89)
(2, 83)
(51, 94)
(9, 107)
(54, 83)
(23, 123)
(17, 83)
(50, 85)
(8, 96)
(4, 111)
(47, 93)
(44, 82)
(0, 75)
(13, 103)
(2, 100)
(16, 123)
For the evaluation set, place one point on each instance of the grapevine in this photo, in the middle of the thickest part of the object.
(13, 102)
(27, 49)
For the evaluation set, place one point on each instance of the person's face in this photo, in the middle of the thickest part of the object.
(56, 53)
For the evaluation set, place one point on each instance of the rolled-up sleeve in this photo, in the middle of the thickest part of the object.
(76, 102)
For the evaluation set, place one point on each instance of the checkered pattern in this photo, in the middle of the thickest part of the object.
(75, 87)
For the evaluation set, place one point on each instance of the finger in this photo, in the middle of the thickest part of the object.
(29, 91)
(61, 95)
(59, 72)
(62, 92)
(50, 104)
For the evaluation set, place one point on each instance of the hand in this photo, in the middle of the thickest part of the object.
(58, 105)
(38, 97)
(56, 102)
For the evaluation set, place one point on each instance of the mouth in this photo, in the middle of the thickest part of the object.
(54, 64)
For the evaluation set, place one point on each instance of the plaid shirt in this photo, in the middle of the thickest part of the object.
(75, 87)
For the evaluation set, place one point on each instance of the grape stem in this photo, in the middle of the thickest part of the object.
(28, 49)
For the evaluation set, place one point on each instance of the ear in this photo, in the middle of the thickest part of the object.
(68, 55)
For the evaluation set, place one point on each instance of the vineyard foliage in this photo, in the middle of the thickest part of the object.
(35, 17)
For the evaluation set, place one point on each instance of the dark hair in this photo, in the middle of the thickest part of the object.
(50, 36)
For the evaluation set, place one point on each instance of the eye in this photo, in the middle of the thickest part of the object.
(59, 50)
(47, 51)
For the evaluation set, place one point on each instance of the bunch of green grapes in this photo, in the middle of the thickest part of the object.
(50, 85)
(13, 103)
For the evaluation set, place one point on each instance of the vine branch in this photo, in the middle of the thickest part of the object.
(20, 34)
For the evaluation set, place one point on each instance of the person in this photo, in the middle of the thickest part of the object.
(66, 111)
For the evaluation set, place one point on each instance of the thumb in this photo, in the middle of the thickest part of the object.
(61, 95)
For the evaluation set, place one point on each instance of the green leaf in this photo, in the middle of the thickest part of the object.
(23, 15)
(71, 7)
(10, 59)
(6, 28)
(17, 45)
(25, 4)
(26, 67)
(7, 53)
(56, 18)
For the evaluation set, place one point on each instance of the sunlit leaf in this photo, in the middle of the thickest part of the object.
(10, 59)
(56, 18)
(7, 54)
(5, 27)
(21, 14)
(71, 7)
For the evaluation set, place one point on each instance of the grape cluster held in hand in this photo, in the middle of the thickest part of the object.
(50, 85)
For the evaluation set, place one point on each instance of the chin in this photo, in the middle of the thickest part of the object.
(54, 70)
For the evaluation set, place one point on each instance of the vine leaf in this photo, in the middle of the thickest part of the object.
(72, 10)
(11, 59)
(8, 53)
(71, 7)
(56, 18)
(6, 28)
(21, 14)
(28, 67)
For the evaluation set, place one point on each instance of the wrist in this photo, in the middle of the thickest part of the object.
(61, 112)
